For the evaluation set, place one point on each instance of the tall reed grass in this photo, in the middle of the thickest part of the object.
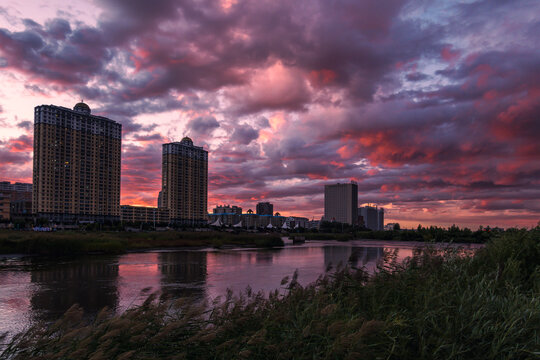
(436, 305)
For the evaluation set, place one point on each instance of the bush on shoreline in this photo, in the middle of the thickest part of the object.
(421, 234)
(438, 304)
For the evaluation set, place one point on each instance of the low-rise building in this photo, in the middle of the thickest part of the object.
(227, 209)
(314, 224)
(270, 221)
(294, 222)
(15, 187)
(5, 204)
(21, 209)
(15, 200)
(144, 214)
(225, 215)
(249, 220)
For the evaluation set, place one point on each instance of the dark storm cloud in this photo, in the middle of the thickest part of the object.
(348, 81)
(27, 125)
(151, 137)
(416, 76)
(58, 29)
(262, 122)
(202, 126)
(336, 44)
(15, 153)
(244, 134)
(9, 157)
(71, 62)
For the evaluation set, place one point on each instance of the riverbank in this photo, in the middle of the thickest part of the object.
(115, 242)
(72, 242)
(432, 234)
(436, 305)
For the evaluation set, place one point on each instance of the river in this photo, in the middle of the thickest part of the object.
(37, 288)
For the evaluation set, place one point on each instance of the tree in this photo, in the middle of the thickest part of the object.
(397, 227)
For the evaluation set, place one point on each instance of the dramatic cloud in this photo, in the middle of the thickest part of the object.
(202, 127)
(244, 134)
(432, 107)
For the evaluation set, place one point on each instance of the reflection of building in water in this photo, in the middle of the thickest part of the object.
(90, 282)
(336, 255)
(367, 257)
(264, 257)
(183, 273)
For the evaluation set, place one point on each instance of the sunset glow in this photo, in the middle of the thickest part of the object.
(432, 107)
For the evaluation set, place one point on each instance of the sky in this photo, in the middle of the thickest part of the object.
(432, 107)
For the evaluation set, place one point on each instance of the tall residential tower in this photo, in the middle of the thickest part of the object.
(372, 217)
(341, 203)
(76, 165)
(185, 182)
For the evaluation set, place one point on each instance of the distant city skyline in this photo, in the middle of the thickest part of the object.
(431, 107)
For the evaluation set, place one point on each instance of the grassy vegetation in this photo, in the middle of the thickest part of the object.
(437, 305)
(344, 232)
(436, 234)
(66, 242)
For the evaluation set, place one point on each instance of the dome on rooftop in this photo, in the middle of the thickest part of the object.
(82, 107)
(187, 140)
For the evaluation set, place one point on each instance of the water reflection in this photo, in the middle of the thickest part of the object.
(264, 257)
(88, 281)
(183, 274)
(42, 289)
(14, 300)
(139, 276)
(336, 256)
(368, 258)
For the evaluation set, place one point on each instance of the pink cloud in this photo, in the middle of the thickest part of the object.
(437, 121)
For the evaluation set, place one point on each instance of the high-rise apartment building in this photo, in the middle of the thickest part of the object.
(372, 217)
(76, 165)
(160, 200)
(265, 208)
(185, 182)
(341, 203)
